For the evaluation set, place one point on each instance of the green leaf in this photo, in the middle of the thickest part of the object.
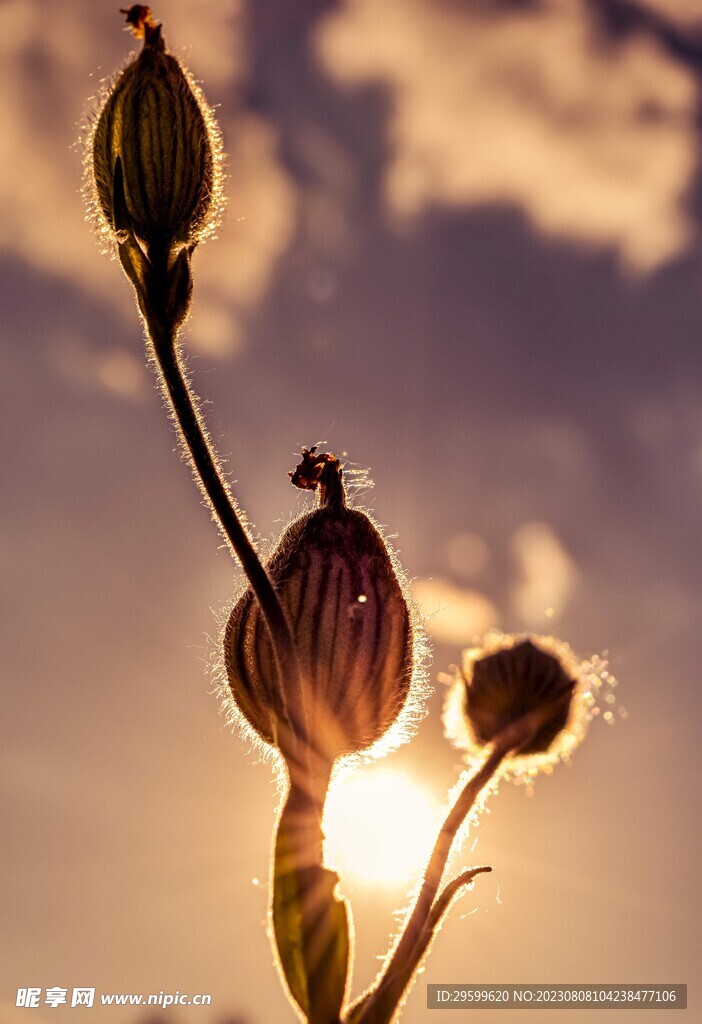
(310, 922)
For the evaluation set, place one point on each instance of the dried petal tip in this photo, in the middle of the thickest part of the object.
(323, 472)
(352, 627)
(138, 17)
(508, 678)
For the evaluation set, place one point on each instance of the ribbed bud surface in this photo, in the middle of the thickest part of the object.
(153, 123)
(352, 629)
(503, 687)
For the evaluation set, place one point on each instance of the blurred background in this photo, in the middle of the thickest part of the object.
(463, 244)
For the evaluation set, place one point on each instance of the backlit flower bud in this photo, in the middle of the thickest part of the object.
(511, 677)
(155, 148)
(350, 621)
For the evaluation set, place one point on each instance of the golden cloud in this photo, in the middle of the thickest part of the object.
(527, 108)
(455, 615)
(547, 574)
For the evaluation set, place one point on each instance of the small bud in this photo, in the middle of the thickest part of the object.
(512, 677)
(155, 149)
(350, 621)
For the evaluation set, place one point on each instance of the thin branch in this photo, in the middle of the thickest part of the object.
(220, 499)
(381, 1003)
(449, 894)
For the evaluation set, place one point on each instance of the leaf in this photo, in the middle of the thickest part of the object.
(120, 212)
(180, 288)
(132, 257)
(310, 922)
(134, 263)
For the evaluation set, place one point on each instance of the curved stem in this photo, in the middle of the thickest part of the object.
(449, 894)
(440, 854)
(382, 1003)
(438, 912)
(223, 505)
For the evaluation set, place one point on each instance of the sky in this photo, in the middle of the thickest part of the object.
(463, 245)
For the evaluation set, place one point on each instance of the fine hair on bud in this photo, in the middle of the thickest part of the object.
(154, 159)
(355, 632)
(508, 677)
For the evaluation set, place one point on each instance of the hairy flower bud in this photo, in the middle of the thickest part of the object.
(512, 677)
(506, 685)
(155, 148)
(350, 621)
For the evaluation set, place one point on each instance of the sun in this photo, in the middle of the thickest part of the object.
(380, 827)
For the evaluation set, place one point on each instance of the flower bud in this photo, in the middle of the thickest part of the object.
(350, 621)
(513, 677)
(156, 136)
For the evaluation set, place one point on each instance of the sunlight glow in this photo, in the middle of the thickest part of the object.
(380, 827)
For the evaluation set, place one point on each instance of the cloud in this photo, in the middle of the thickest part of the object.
(466, 554)
(596, 144)
(547, 574)
(455, 615)
(233, 272)
(668, 428)
(209, 35)
(108, 368)
(685, 12)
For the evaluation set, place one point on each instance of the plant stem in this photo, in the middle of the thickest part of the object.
(441, 851)
(224, 507)
(310, 921)
(382, 1003)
